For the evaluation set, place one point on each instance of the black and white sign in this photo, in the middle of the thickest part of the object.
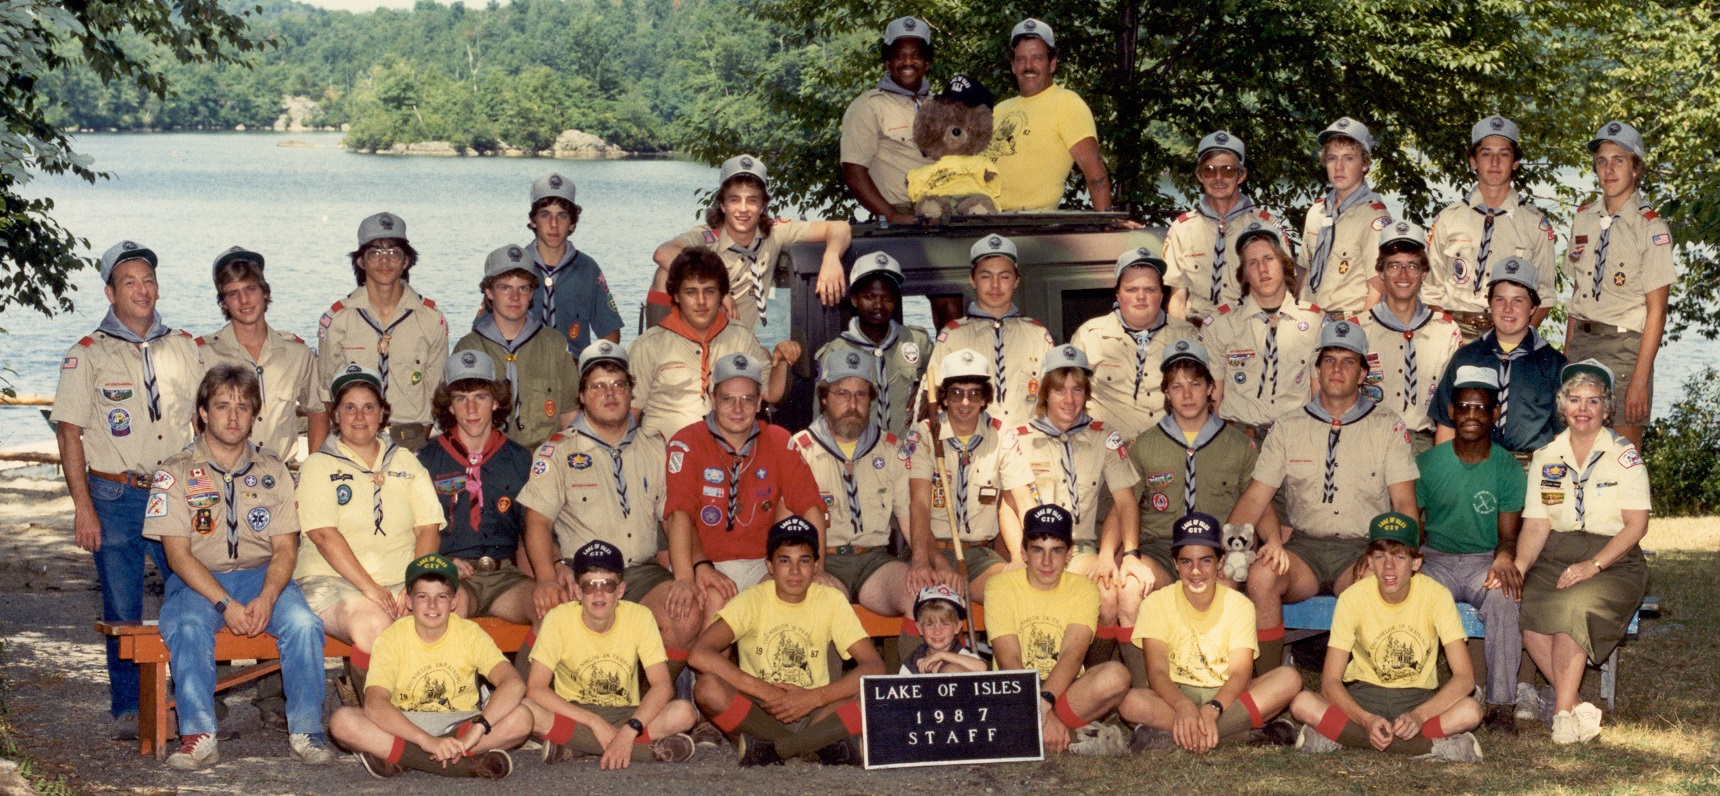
(943, 719)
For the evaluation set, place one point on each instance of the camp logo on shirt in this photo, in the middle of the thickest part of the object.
(602, 681)
(1160, 480)
(119, 422)
(433, 688)
(117, 394)
(911, 353)
(342, 495)
(157, 505)
(258, 518)
(1555, 472)
(1396, 656)
(579, 461)
(1041, 644)
(785, 655)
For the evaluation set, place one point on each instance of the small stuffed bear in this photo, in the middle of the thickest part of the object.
(953, 129)
(1239, 553)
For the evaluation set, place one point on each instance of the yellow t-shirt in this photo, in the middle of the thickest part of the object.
(335, 491)
(1030, 142)
(956, 176)
(594, 668)
(1395, 646)
(435, 677)
(1200, 641)
(783, 642)
(1037, 618)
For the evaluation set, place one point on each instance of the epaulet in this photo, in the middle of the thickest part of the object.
(1583, 206)
(1019, 430)
(1315, 308)
(1649, 214)
(296, 338)
(710, 236)
(428, 302)
(186, 335)
(1033, 320)
(87, 341)
(1355, 319)
(1320, 200)
(1446, 316)
(801, 440)
(202, 342)
(1182, 217)
(890, 439)
(556, 437)
(1377, 205)
(1097, 425)
(997, 423)
(781, 220)
(953, 324)
(336, 307)
(1223, 308)
(1265, 215)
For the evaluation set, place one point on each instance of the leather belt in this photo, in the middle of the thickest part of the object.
(1475, 322)
(1254, 432)
(486, 563)
(851, 549)
(129, 479)
(1591, 327)
(945, 544)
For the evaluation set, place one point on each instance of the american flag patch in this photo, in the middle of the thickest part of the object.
(69, 363)
(1662, 239)
(199, 481)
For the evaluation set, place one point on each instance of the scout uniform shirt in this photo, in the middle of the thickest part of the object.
(1634, 254)
(975, 466)
(1038, 619)
(1126, 376)
(593, 490)
(286, 376)
(862, 490)
(1576, 495)
(900, 362)
(599, 669)
(732, 494)
(479, 494)
(784, 643)
(1179, 476)
(1468, 238)
(1017, 344)
(1333, 472)
(1201, 254)
(1069, 468)
(409, 350)
(1199, 643)
(1405, 360)
(1265, 373)
(1395, 646)
(671, 367)
(1528, 389)
(752, 269)
(573, 298)
(1339, 250)
(230, 516)
(133, 397)
(878, 134)
(1030, 142)
(375, 510)
(440, 676)
(545, 380)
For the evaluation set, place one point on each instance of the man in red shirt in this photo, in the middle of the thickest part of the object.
(731, 477)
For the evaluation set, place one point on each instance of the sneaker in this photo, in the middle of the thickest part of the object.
(123, 728)
(846, 752)
(707, 734)
(1278, 732)
(1462, 748)
(378, 767)
(755, 751)
(1313, 743)
(1549, 704)
(677, 748)
(308, 749)
(1528, 703)
(195, 752)
(494, 764)
(1147, 739)
(1500, 720)
(273, 719)
(1588, 718)
(1565, 728)
(557, 753)
(1099, 740)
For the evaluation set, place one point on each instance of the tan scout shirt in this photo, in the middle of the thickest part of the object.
(573, 483)
(230, 517)
(548, 382)
(1333, 488)
(670, 374)
(337, 491)
(878, 133)
(1126, 376)
(1639, 260)
(1355, 247)
(1018, 341)
(1100, 459)
(1223, 464)
(1190, 246)
(880, 483)
(1455, 281)
(984, 475)
(417, 350)
(902, 364)
(1436, 338)
(1236, 341)
(1612, 481)
(749, 276)
(102, 391)
(286, 372)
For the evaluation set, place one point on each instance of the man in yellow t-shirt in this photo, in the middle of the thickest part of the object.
(593, 650)
(1044, 617)
(1380, 684)
(421, 707)
(780, 702)
(1200, 647)
(1037, 136)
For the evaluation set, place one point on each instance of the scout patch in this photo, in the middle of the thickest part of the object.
(1459, 271)
(1160, 502)
(877, 462)
(1547, 227)
(1576, 252)
(1555, 472)
(1552, 498)
(1160, 480)
(203, 522)
(117, 394)
(251, 481)
(1381, 222)
(450, 484)
(342, 495)
(714, 491)
(675, 462)
(829, 501)
(546, 450)
(340, 476)
(573, 330)
(1344, 264)
(1239, 358)
(162, 480)
(1301, 326)
(549, 408)
(504, 503)
(1240, 377)
(1550, 484)
(713, 475)
(1630, 458)
(1373, 393)
(1032, 389)
(761, 474)
(539, 467)
(69, 363)
(1662, 239)
(417, 376)
(119, 423)
(1618, 279)
(157, 505)
(258, 518)
(710, 515)
(579, 461)
(911, 353)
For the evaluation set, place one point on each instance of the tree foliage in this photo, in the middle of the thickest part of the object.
(1683, 473)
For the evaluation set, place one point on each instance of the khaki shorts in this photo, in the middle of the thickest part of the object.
(324, 592)
(979, 559)
(1199, 696)
(745, 572)
(1328, 557)
(487, 586)
(852, 570)
(1159, 552)
(1617, 350)
(1388, 703)
(439, 722)
(641, 579)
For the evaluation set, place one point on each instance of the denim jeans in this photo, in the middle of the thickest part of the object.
(1463, 574)
(189, 623)
(120, 570)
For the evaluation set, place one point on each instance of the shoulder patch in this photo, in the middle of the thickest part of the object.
(1265, 216)
(1583, 206)
(710, 236)
(336, 307)
(996, 423)
(1320, 200)
(1377, 205)
(427, 302)
(801, 440)
(1315, 308)
(87, 341)
(1097, 425)
(1181, 217)
(890, 439)
(949, 326)
(1223, 309)
(296, 338)
(1629, 458)
(1649, 215)
(201, 342)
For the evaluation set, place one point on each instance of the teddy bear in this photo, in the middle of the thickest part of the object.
(1238, 551)
(953, 129)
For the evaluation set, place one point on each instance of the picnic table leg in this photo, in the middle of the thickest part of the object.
(152, 708)
(1609, 679)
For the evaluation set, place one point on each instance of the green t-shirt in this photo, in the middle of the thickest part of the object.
(1462, 501)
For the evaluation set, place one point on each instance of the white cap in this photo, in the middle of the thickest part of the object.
(1591, 366)
(993, 244)
(1403, 231)
(1139, 255)
(1475, 377)
(1035, 28)
(1222, 141)
(875, 263)
(965, 363)
(602, 351)
(1350, 128)
(1184, 349)
(552, 185)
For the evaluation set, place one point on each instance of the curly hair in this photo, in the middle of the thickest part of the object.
(700, 264)
(714, 214)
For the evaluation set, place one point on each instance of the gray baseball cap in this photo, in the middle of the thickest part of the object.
(1403, 231)
(382, 225)
(1259, 229)
(965, 363)
(1139, 255)
(505, 259)
(875, 263)
(355, 373)
(841, 364)
(910, 27)
(1349, 128)
(602, 351)
(1590, 365)
(1345, 335)
(1221, 141)
(1183, 349)
(552, 185)
(1475, 377)
(1035, 28)
(235, 254)
(993, 244)
(469, 364)
(735, 366)
(1064, 356)
(122, 251)
(1493, 125)
(1514, 269)
(742, 164)
(1619, 133)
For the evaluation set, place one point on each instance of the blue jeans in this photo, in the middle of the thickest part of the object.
(119, 570)
(189, 623)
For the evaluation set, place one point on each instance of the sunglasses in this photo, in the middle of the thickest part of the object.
(605, 585)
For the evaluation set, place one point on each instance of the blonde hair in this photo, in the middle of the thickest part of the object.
(1055, 380)
(1343, 142)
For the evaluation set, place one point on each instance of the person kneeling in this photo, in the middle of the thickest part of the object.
(1200, 646)
(421, 698)
(1378, 685)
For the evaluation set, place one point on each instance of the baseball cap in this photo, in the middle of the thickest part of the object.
(381, 225)
(990, 245)
(1493, 125)
(122, 251)
(355, 373)
(941, 592)
(968, 91)
(1197, 529)
(1350, 128)
(1140, 255)
(1394, 527)
(432, 564)
(507, 258)
(1475, 377)
(1035, 28)
(910, 27)
(790, 530)
(1064, 356)
(1221, 141)
(602, 351)
(469, 364)
(875, 263)
(842, 364)
(1591, 366)
(234, 254)
(1183, 349)
(1345, 335)
(742, 164)
(598, 554)
(1259, 229)
(1514, 269)
(552, 185)
(1048, 520)
(964, 363)
(736, 366)
(1403, 232)
(1619, 133)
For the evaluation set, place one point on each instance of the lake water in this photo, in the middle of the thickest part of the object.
(190, 196)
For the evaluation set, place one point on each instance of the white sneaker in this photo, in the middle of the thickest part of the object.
(195, 752)
(1588, 719)
(1565, 729)
(1100, 740)
(1528, 703)
(1312, 742)
(308, 750)
(1463, 748)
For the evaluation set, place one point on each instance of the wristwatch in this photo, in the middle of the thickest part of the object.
(482, 722)
(1135, 552)
(221, 607)
(1216, 705)
(638, 727)
(1049, 698)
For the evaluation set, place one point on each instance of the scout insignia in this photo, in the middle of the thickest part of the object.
(1555, 472)
(761, 474)
(251, 481)
(1344, 265)
(911, 353)
(203, 523)
(573, 330)
(1240, 377)
(342, 494)
(117, 394)
(549, 408)
(162, 480)
(710, 515)
(877, 462)
(539, 467)
(1301, 326)
(258, 518)
(1114, 442)
(579, 461)
(1630, 458)
(504, 503)
(119, 422)
(1160, 480)
(1618, 279)
(713, 475)
(417, 376)
(157, 505)
(1381, 222)
(1160, 502)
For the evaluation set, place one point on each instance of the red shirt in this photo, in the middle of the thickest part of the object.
(699, 483)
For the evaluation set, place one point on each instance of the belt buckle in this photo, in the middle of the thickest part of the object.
(486, 564)
(136, 481)
(844, 549)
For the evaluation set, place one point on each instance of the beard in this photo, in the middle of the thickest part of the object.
(848, 425)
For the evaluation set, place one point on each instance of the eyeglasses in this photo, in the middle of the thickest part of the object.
(605, 585)
(385, 253)
(1218, 171)
(958, 395)
(1406, 267)
(737, 400)
(606, 386)
(849, 395)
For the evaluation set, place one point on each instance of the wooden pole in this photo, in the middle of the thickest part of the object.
(950, 498)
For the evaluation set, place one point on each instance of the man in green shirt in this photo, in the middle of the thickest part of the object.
(1471, 496)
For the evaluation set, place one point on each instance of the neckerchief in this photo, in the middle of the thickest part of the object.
(384, 335)
(451, 443)
(1208, 432)
(678, 324)
(1418, 319)
(1530, 342)
(486, 328)
(1143, 339)
(880, 407)
(964, 459)
(112, 326)
(1607, 220)
(1243, 204)
(760, 289)
(227, 496)
(546, 275)
(890, 86)
(1582, 483)
(1488, 214)
(333, 447)
(1360, 410)
(1363, 194)
(583, 427)
(1066, 442)
(820, 432)
(737, 462)
(974, 311)
(1271, 318)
